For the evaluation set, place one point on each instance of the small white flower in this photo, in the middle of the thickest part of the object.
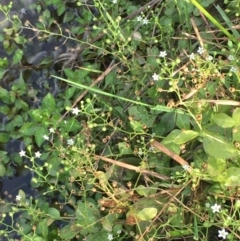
(51, 130)
(22, 153)
(207, 205)
(186, 167)
(110, 237)
(145, 21)
(45, 137)
(139, 18)
(216, 208)
(209, 58)
(23, 11)
(222, 233)
(70, 142)
(231, 57)
(192, 56)
(37, 154)
(75, 111)
(114, 1)
(119, 231)
(155, 77)
(18, 198)
(200, 50)
(233, 69)
(151, 148)
(163, 54)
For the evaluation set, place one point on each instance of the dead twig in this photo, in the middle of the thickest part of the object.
(171, 154)
(134, 168)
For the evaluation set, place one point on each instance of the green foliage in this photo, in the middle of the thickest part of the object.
(89, 88)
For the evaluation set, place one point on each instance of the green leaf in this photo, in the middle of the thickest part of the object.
(54, 213)
(219, 148)
(215, 168)
(4, 109)
(185, 136)
(6, 44)
(39, 136)
(17, 56)
(232, 177)
(29, 129)
(136, 126)
(48, 103)
(236, 116)
(68, 16)
(147, 214)
(61, 9)
(4, 95)
(109, 79)
(236, 133)
(143, 191)
(42, 226)
(67, 233)
(124, 148)
(17, 121)
(69, 73)
(2, 72)
(2, 170)
(224, 120)
(70, 92)
(4, 137)
(166, 124)
(183, 121)
(36, 115)
(20, 40)
(108, 221)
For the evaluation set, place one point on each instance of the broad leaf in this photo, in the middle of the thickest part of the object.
(183, 121)
(147, 214)
(232, 177)
(185, 136)
(54, 213)
(224, 120)
(17, 56)
(39, 135)
(48, 103)
(67, 233)
(29, 129)
(219, 148)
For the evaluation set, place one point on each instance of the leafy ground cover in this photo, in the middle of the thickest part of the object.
(127, 118)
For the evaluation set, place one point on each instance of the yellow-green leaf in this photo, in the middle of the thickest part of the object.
(147, 214)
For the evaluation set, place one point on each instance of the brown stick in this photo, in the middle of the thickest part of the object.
(134, 168)
(171, 154)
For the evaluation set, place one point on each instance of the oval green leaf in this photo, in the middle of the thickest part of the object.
(53, 213)
(48, 103)
(218, 148)
(2, 170)
(147, 214)
(185, 136)
(224, 120)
